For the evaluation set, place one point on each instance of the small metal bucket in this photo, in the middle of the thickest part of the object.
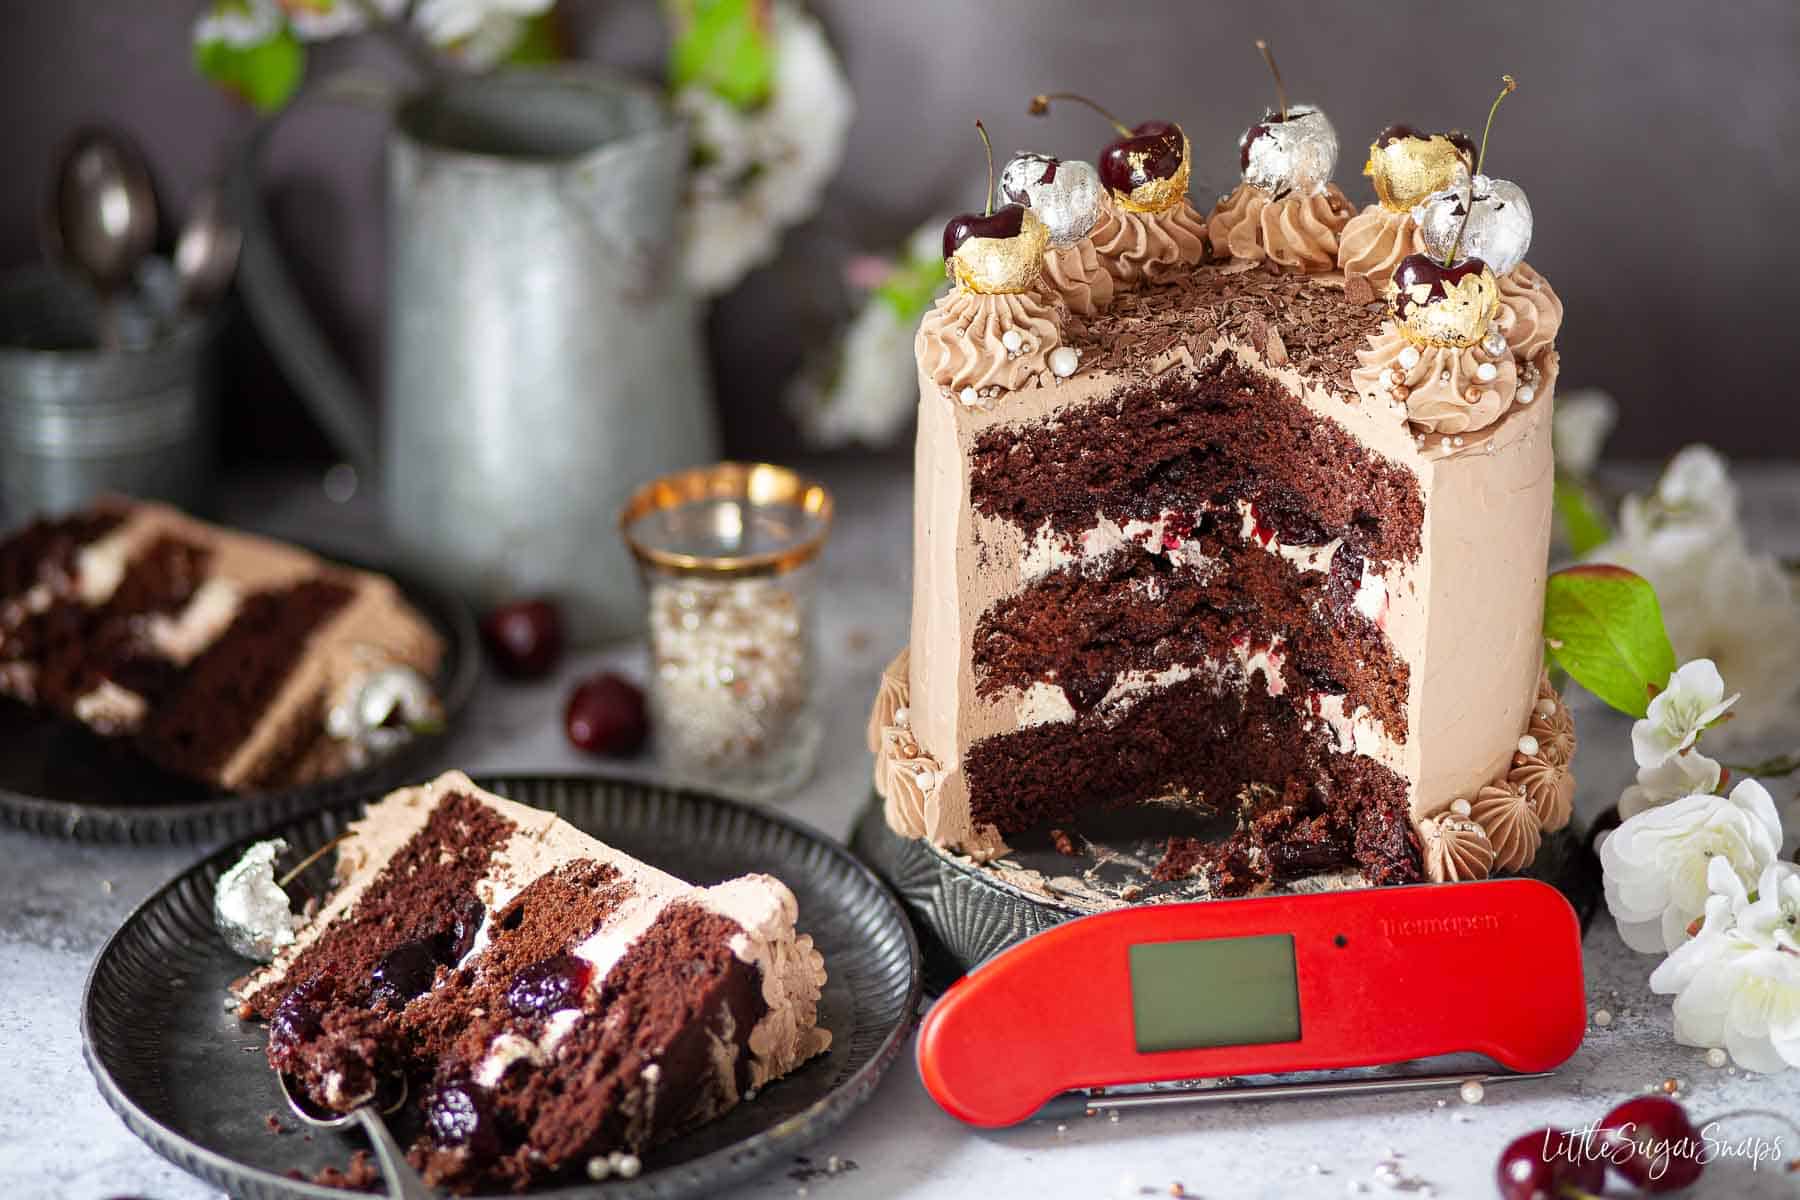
(76, 421)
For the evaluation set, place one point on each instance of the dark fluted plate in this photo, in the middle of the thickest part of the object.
(189, 1078)
(964, 914)
(59, 779)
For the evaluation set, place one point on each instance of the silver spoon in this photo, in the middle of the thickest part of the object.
(206, 253)
(100, 219)
(403, 1182)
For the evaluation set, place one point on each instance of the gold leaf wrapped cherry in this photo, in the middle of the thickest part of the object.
(1407, 166)
(1435, 304)
(1147, 169)
(997, 252)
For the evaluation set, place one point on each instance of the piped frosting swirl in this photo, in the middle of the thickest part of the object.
(906, 775)
(1511, 825)
(890, 697)
(1075, 274)
(962, 340)
(1297, 232)
(1374, 242)
(1530, 311)
(1137, 247)
(1540, 768)
(1445, 390)
(1455, 849)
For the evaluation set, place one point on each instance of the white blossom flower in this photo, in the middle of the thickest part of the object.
(1690, 517)
(449, 22)
(1737, 982)
(1655, 864)
(1584, 420)
(239, 23)
(1681, 775)
(317, 20)
(1694, 698)
(766, 168)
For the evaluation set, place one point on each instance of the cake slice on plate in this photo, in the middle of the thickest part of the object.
(231, 659)
(555, 1006)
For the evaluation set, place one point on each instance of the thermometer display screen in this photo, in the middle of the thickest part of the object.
(1216, 992)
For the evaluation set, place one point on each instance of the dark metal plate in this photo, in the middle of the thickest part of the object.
(964, 913)
(189, 1078)
(59, 779)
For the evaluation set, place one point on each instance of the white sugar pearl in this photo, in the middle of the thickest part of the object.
(1471, 1091)
(969, 396)
(1546, 708)
(1528, 745)
(1063, 361)
(1487, 372)
(1715, 1057)
(1460, 807)
(1409, 357)
(1527, 394)
(1495, 343)
(1388, 378)
(1012, 341)
(1602, 1017)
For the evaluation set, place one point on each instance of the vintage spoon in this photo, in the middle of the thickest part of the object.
(101, 216)
(403, 1183)
(206, 253)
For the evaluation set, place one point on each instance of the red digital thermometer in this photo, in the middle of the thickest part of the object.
(1252, 987)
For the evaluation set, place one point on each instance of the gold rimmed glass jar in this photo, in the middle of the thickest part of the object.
(728, 555)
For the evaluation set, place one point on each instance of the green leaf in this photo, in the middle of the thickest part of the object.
(1603, 626)
(1583, 524)
(725, 47)
(911, 287)
(265, 74)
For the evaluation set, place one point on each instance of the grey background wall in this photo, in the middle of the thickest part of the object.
(1659, 141)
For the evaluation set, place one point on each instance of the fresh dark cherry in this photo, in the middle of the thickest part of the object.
(1549, 1164)
(1416, 269)
(404, 972)
(549, 985)
(1004, 222)
(605, 715)
(1153, 151)
(524, 638)
(457, 1114)
(301, 1014)
(1654, 1144)
(1456, 137)
(454, 943)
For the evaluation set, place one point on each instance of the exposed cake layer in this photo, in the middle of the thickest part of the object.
(1223, 395)
(572, 1002)
(216, 653)
(1220, 744)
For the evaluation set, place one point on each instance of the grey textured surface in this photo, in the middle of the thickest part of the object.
(59, 901)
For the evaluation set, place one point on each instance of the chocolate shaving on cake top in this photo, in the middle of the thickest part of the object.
(1319, 332)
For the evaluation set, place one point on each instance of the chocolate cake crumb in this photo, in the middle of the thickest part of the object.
(274, 1124)
(1220, 433)
(1065, 845)
(1358, 290)
(359, 1175)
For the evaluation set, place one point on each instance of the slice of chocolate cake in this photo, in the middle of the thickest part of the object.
(232, 659)
(556, 1007)
(1238, 544)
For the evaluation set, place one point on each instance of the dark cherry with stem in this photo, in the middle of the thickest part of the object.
(1147, 153)
(1456, 137)
(524, 638)
(605, 715)
(1275, 116)
(1508, 85)
(1007, 222)
(1654, 1144)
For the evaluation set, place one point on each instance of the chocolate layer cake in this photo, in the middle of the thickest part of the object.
(1225, 542)
(238, 661)
(555, 1007)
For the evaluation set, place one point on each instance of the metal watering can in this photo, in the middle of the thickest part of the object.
(543, 357)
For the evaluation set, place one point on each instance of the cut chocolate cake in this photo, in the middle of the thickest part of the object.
(1236, 542)
(555, 1007)
(231, 659)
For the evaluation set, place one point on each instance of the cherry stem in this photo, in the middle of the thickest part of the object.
(988, 209)
(1785, 764)
(1040, 105)
(1280, 89)
(1508, 85)
(314, 857)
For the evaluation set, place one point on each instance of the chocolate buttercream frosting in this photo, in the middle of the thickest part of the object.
(1444, 389)
(962, 342)
(1297, 232)
(1140, 247)
(1530, 312)
(1455, 849)
(1374, 242)
(1075, 274)
(1511, 825)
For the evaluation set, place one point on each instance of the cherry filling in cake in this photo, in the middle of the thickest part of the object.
(554, 1008)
